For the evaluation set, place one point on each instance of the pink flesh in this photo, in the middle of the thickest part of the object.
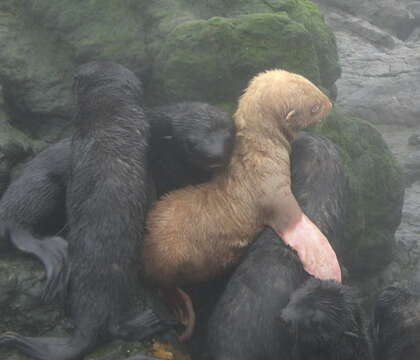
(314, 250)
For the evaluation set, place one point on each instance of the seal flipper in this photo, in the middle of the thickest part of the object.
(52, 252)
(73, 348)
(48, 348)
(142, 326)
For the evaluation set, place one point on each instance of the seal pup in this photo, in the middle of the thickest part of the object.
(233, 207)
(396, 323)
(106, 202)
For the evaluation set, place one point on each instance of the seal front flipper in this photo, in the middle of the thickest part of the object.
(142, 326)
(52, 252)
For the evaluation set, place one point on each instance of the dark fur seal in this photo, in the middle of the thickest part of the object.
(189, 141)
(271, 308)
(106, 202)
(396, 324)
(251, 320)
(198, 143)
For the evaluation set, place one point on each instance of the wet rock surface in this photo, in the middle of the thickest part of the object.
(406, 255)
(379, 48)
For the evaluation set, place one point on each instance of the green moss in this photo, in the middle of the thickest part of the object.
(374, 209)
(310, 16)
(89, 28)
(214, 59)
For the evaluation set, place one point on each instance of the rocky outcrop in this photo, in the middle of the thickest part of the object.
(379, 49)
(183, 50)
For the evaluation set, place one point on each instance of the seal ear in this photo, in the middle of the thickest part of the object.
(289, 116)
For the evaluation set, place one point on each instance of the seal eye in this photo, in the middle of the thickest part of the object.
(315, 108)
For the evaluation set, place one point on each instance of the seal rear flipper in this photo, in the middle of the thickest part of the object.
(45, 348)
(142, 326)
(52, 252)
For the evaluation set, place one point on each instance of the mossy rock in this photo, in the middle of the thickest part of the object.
(214, 59)
(377, 193)
(200, 55)
(183, 49)
(44, 41)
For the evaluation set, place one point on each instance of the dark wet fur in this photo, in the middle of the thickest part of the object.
(247, 322)
(320, 184)
(396, 324)
(326, 321)
(107, 200)
(35, 200)
(199, 141)
(34, 204)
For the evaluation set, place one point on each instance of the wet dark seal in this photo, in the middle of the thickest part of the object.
(253, 318)
(396, 324)
(107, 199)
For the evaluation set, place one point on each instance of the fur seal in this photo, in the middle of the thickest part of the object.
(189, 143)
(234, 206)
(230, 210)
(271, 307)
(396, 324)
(108, 187)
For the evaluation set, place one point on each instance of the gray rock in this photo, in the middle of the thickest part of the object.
(412, 167)
(414, 140)
(380, 80)
(398, 17)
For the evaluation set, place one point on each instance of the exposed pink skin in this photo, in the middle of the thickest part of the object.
(313, 248)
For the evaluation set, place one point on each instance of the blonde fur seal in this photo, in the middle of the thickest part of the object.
(200, 231)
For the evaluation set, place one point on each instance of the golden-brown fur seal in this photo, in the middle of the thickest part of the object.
(198, 232)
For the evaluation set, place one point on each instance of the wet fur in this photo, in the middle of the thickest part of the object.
(247, 321)
(229, 210)
(326, 320)
(188, 139)
(108, 187)
(396, 324)
(35, 201)
(320, 185)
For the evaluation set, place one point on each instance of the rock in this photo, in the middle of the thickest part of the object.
(405, 264)
(42, 42)
(381, 78)
(412, 167)
(183, 50)
(224, 53)
(21, 282)
(414, 140)
(377, 192)
(396, 16)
